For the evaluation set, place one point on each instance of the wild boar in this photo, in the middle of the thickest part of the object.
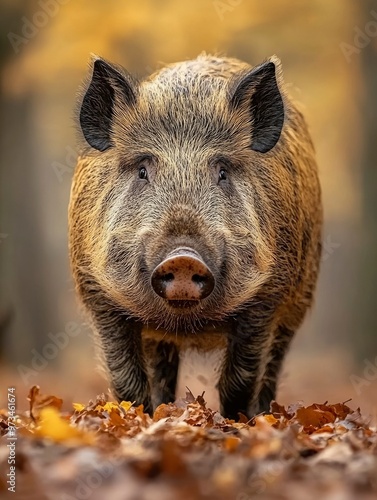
(194, 222)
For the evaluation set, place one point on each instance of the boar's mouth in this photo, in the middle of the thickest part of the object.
(183, 304)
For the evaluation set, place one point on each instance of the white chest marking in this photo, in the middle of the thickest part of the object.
(200, 371)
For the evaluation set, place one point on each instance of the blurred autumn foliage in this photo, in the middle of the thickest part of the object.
(44, 49)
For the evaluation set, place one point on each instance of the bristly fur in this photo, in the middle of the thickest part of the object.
(260, 233)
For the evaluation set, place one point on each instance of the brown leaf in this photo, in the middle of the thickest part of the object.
(200, 399)
(39, 401)
(313, 417)
(279, 411)
(341, 410)
(167, 410)
(242, 419)
(189, 396)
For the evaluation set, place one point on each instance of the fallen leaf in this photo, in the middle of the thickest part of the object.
(51, 425)
(39, 401)
(78, 406)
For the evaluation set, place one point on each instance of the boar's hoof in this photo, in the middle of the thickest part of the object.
(183, 276)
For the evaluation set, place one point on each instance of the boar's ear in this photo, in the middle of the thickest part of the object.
(108, 85)
(258, 90)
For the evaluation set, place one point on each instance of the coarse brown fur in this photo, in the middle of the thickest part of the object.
(260, 231)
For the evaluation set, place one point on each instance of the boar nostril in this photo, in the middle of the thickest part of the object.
(198, 279)
(183, 276)
(205, 283)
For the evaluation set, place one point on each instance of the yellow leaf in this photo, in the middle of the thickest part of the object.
(78, 406)
(126, 405)
(111, 406)
(54, 427)
(107, 407)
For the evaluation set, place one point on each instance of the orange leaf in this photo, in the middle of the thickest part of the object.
(314, 416)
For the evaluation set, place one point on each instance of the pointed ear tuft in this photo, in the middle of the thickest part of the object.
(258, 91)
(108, 86)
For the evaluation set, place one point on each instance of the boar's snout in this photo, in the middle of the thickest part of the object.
(183, 276)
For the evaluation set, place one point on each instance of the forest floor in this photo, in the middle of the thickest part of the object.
(109, 451)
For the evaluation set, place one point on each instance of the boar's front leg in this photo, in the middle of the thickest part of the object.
(282, 340)
(162, 359)
(120, 339)
(245, 365)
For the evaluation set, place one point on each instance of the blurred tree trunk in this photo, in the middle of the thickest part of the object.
(367, 334)
(8, 17)
(23, 301)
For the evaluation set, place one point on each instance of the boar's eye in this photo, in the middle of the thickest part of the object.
(221, 171)
(222, 174)
(143, 174)
(144, 163)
